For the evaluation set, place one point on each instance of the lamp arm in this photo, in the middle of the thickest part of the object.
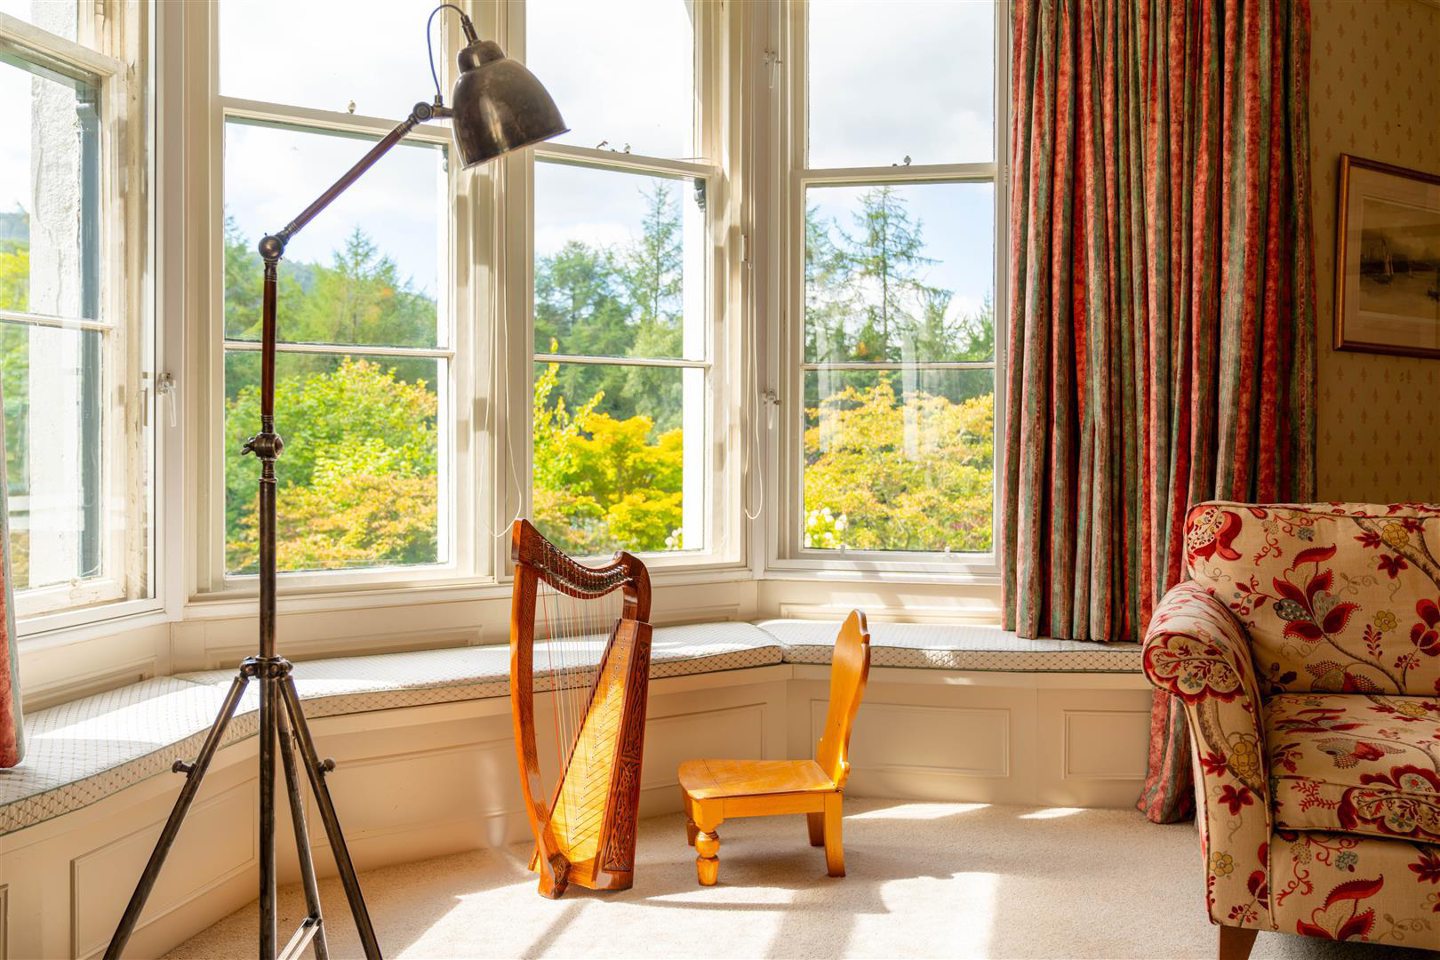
(274, 244)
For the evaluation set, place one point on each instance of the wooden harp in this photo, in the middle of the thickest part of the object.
(585, 629)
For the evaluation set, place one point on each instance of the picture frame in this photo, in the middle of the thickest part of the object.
(1387, 259)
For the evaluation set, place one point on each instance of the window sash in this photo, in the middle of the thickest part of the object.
(125, 476)
(723, 509)
(787, 553)
(457, 468)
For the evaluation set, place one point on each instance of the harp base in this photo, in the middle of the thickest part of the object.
(565, 873)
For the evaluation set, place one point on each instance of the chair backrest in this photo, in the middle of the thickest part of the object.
(1336, 597)
(849, 669)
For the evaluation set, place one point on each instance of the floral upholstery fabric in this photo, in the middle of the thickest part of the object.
(1199, 652)
(1355, 764)
(1339, 886)
(1315, 741)
(1335, 597)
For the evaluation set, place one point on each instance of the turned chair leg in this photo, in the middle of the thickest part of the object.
(817, 828)
(707, 861)
(834, 852)
(1236, 943)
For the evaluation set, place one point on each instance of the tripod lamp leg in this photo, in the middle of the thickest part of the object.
(194, 773)
(302, 836)
(316, 770)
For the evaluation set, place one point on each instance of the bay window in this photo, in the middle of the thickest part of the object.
(890, 443)
(76, 361)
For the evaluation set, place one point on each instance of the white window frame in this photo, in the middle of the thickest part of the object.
(462, 457)
(787, 556)
(715, 25)
(112, 52)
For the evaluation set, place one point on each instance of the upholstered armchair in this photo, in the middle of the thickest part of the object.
(1305, 648)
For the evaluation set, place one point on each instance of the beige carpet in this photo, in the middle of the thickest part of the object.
(925, 880)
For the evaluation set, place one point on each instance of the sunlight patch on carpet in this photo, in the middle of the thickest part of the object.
(1050, 813)
(916, 811)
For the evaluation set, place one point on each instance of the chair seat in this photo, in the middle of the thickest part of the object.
(717, 779)
(1355, 763)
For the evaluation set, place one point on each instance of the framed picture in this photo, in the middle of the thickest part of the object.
(1387, 259)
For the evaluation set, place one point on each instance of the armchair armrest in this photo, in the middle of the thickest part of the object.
(1197, 651)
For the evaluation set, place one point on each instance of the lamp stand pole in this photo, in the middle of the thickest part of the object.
(282, 718)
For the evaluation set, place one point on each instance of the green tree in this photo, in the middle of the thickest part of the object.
(580, 310)
(881, 263)
(357, 483)
(653, 273)
(602, 482)
(888, 472)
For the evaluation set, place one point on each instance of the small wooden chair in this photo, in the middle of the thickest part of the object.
(714, 790)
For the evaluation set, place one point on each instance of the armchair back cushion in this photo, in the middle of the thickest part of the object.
(1340, 597)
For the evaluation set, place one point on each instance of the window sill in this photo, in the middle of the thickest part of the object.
(306, 598)
(956, 573)
(52, 629)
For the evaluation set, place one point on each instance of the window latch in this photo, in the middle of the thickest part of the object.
(166, 393)
(772, 400)
(772, 66)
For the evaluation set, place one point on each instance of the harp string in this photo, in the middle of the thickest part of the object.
(575, 632)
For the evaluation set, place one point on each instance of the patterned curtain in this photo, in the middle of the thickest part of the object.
(1161, 305)
(12, 734)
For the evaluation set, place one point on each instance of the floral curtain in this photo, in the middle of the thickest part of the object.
(1161, 305)
(12, 737)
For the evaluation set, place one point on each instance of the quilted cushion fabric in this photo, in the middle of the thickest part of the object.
(83, 751)
(1338, 597)
(1366, 765)
(948, 646)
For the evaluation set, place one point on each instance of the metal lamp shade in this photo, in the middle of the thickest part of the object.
(498, 106)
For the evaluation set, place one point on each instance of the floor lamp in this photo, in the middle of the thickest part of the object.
(496, 106)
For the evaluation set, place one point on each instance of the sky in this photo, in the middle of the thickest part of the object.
(903, 77)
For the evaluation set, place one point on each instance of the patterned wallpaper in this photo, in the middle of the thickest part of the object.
(1374, 93)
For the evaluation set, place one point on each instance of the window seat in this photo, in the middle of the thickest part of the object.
(85, 750)
(950, 646)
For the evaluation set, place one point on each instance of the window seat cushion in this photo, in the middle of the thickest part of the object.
(341, 685)
(83, 751)
(951, 646)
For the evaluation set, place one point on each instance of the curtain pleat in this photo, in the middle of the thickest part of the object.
(1161, 305)
(12, 734)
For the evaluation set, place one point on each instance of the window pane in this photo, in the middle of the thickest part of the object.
(53, 391)
(330, 55)
(359, 480)
(60, 17)
(365, 272)
(899, 460)
(902, 78)
(622, 74)
(900, 273)
(49, 185)
(619, 264)
(619, 457)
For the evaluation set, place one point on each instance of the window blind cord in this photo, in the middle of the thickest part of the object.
(499, 347)
(754, 456)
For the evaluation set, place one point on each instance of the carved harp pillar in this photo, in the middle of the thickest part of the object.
(586, 631)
